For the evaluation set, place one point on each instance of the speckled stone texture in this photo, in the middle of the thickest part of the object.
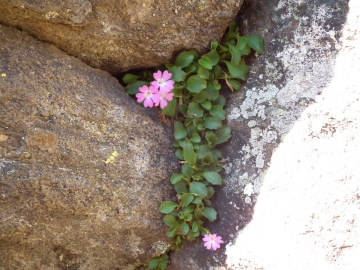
(61, 206)
(302, 41)
(117, 36)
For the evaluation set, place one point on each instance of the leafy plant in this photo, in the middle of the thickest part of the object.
(198, 112)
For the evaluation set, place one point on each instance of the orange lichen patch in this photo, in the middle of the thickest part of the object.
(3, 137)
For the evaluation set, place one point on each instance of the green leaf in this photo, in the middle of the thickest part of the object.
(184, 59)
(179, 154)
(223, 134)
(195, 226)
(198, 213)
(241, 43)
(210, 191)
(216, 153)
(220, 101)
(200, 97)
(195, 54)
(256, 43)
(180, 215)
(153, 263)
(217, 86)
(212, 93)
(208, 159)
(130, 78)
(239, 71)
(170, 108)
(211, 138)
(217, 71)
(167, 207)
(186, 199)
(235, 84)
(197, 121)
(214, 45)
(203, 150)
(163, 265)
(194, 110)
(183, 109)
(246, 50)
(213, 178)
(218, 112)
(213, 56)
(188, 209)
(198, 189)
(195, 84)
(196, 138)
(189, 154)
(187, 170)
(188, 217)
(180, 186)
(178, 74)
(171, 232)
(209, 213)
(212, 123)
(235, 55)
(175, 178)
(190, 69)
(206, 105)
(205, 62)
(170, 221)
(203, 73)
(133, 88)
(197, 200)
(191, 129)
(184, 228)
(179, 130)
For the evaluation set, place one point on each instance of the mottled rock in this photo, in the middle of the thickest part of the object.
(61, 206)
(302, 40)
(120, 35)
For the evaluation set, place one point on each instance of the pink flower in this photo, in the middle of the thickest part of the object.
(149, 95)
(212, 241)
(162, 80)
(164, 97)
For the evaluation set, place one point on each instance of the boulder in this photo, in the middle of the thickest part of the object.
(62, 206)
(117, 36)
(302, 42)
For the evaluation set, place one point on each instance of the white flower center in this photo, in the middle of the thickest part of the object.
(148, 94)
(161, 82)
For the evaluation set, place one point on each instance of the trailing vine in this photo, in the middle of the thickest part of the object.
(192, 98)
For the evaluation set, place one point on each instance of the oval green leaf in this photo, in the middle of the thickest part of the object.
(179, 130)
(167, 207)
(186, 199)
(184, 228)
(212, 123)
(205, 62)
(178, 74)
(175, 178)
(256, 43)
(209, 213)
(195, 84)
(170, 221)
(213, 178)
(198, 189)
(239, 71)
(223, 134)
(189, 154)
(184, 59)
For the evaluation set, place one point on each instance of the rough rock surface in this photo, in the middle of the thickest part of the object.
(116, 36)
(61, 206)
(306, 215)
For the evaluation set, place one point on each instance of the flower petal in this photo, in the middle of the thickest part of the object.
(207, 245)
(163, 103)
(156, 99)
(166, 75)
(148, 103)
(157, 75)
(140, 97)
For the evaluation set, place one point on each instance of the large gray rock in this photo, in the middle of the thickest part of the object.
(120, 35)
(61, 206)
(302, 41)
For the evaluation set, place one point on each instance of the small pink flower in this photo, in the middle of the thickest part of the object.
(164, 97)
(162, 80)
(149, 95)
(212, 241)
